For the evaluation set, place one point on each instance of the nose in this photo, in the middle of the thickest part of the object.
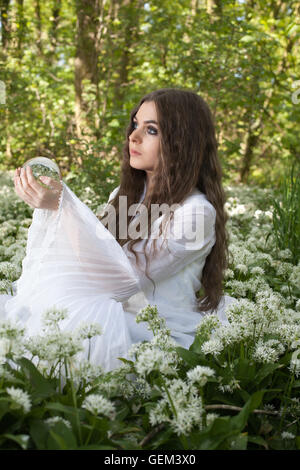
(135, 136)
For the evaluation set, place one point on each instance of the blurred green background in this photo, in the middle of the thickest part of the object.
(71, 70)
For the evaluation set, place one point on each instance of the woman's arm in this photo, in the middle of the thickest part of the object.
(191, 237)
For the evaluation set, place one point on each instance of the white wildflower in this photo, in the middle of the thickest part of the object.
(229, 387)
(20, 398)
(4, 349)
(98, 404)
(154, 359)
(239, 288)
(295, 276)
(213, 346)
(187, 403)
(284, 289)
(229, 274)
(57, 419)
(53, 346)
(268, 351)
(89, 330)
(159, 414)
(53, 316)
(200, 375)
(242, 268)
(257, 271)
(287, 435)
(85, 370)
(209, 323)
(285, 254)
(295, 363)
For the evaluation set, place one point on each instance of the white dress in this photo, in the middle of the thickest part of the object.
(73, 261)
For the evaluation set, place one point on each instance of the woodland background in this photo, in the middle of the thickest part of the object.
(71, 71)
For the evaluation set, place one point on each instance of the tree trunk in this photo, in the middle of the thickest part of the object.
(21, 27)
(38, 27)
(129, 13)
(4, 9)
(55, 21)
(86, 59)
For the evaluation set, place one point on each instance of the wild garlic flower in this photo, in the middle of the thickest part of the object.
(213, 346)
(187, 403)
(257, 271)
(4, 349)
(242, 268)
(85, 370)
(58, 419)
(287, 435)
(268, 351)
(51, 317)
(54, 346)
(150, 315)
(20, 398)
(89, 330)
(98, 404)
(200, 375)
(154, 359)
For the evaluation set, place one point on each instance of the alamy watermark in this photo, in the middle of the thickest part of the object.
(2, 93)
(187, 224)
(296, 93)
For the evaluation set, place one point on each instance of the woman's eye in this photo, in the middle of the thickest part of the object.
(150, 129)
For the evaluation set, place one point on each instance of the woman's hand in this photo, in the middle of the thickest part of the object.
(33, 193)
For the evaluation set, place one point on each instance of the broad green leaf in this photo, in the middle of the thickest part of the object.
(43, 388)
(21, 439)
(254, 401)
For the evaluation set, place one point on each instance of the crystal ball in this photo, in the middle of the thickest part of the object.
(43, 166)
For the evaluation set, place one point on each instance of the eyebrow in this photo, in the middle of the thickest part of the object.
(147, 122)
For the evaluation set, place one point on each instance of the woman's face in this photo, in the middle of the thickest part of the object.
(144, 141)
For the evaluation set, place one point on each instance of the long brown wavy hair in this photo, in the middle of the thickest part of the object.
(188, 159)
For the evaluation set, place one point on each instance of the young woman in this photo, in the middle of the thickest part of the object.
(106, 275)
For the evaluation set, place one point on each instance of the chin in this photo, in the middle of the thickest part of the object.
(136, 165)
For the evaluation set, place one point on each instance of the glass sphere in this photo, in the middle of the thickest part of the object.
(43, 166)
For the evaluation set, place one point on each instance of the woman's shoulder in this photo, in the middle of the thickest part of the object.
(198, 199)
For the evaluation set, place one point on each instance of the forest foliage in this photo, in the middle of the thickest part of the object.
(71, 71)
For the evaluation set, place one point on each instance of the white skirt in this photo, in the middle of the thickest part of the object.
(72, 261)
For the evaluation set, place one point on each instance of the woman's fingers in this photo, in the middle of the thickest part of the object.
(29, 182)
(33, 193)
(53, 184)
(19, 190)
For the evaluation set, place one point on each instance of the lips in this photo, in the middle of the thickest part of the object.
(134, 152)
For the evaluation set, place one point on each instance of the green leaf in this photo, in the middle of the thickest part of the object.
(43, 388)
(39, 432)
(264, 371)
(239, 442)
(61, 437)
(125, 444)
(245, 371)
(68, 410)
(21, 439)
(254, 401)
(190, 357)
(213, 436)
(258, 440)
(97, 447)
